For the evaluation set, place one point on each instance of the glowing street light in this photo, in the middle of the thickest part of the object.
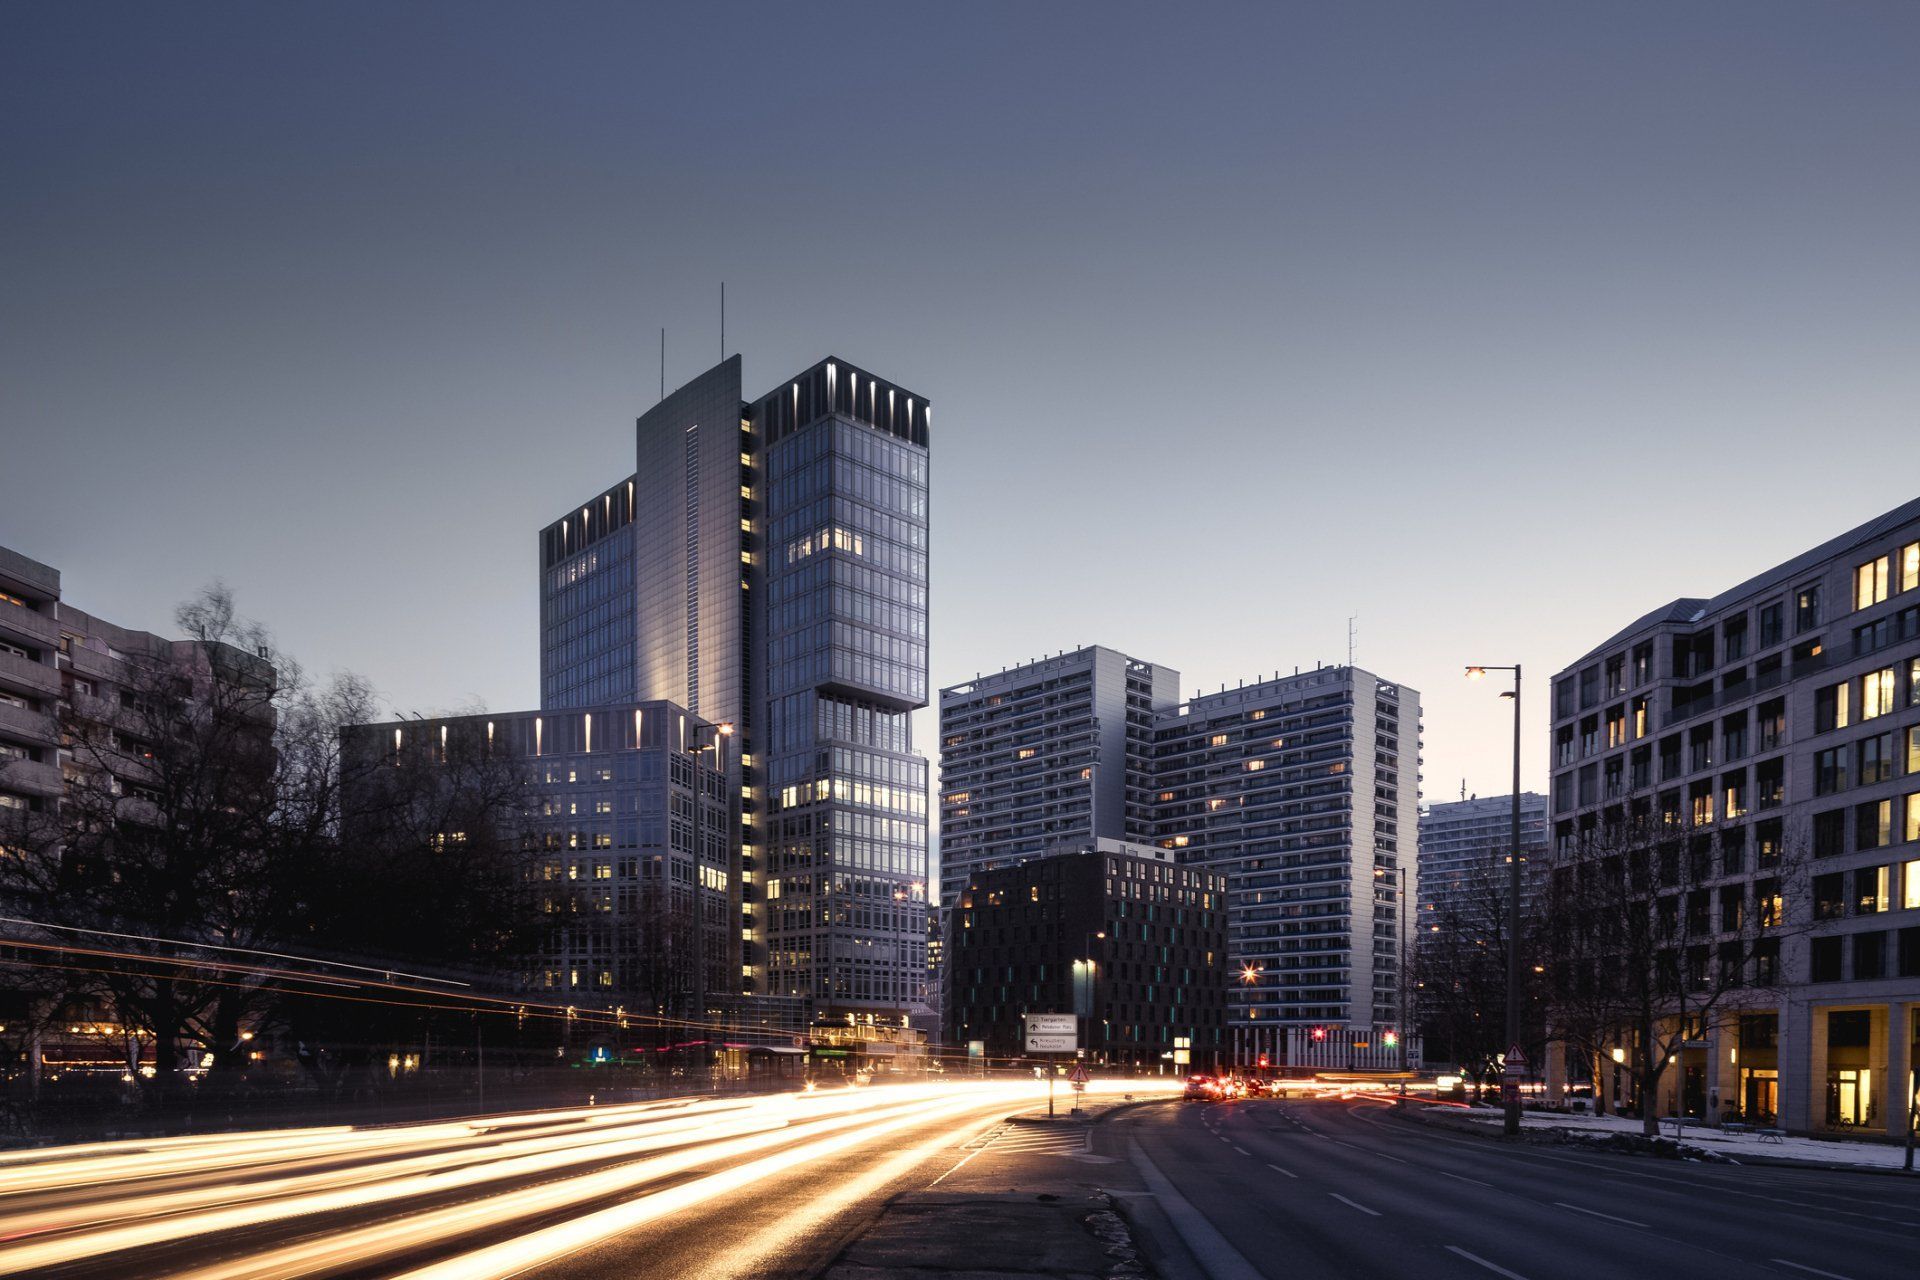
(1511, 1090)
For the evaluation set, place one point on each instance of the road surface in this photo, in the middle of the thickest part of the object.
(1342, 1190)
(719, 1188)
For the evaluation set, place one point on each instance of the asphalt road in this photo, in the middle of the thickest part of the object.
(765, 1186)
(1341, 1189)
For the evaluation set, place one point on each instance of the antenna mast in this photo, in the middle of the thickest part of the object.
(663, 364)
(1353, 632)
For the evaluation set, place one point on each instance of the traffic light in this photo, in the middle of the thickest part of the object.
(1264, 1062)
(1319, 1033)
(1390, 1039)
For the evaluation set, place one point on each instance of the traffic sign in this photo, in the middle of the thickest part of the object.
(1079, 1073)
(1052, 1033)
(1516, 1061)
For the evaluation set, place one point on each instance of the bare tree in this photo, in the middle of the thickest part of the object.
(1461, 972)
(1658, 928)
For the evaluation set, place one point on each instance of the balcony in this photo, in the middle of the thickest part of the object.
(28, 726)
(36, 629)
(30, 777)
(35, 679)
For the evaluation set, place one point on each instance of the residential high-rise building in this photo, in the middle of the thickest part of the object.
(1463, 856)
(1777, 719)
(766, 568)
(1133, 945)
(1049, 755)
(1303, 791)
(1300, 792)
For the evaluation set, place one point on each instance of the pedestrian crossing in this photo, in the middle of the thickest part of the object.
(1031, 1139)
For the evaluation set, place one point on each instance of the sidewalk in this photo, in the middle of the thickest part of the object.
(1745, 1148)
(1029, 1199)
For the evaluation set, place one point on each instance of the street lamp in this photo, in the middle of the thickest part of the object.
(1083, 997)
(1511, 1096)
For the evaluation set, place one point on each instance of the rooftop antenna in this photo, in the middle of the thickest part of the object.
(1353, 634)
(663, 364)
(1463, 788)
(723, 321)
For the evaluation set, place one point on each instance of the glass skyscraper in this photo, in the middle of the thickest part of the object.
(766, 567)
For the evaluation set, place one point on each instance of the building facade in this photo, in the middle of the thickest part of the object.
(1463, 858)
(1779, 723)
(1051, 754)
(1303, 792)
(1134, 947)
(628, 809)
(765, 567)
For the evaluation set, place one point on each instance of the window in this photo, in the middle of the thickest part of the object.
(1642, 664)
(1912, 833)
(1733, 639)
(1772, 723)
(1872, 890)
(1869, 955)
(1830, 771)
(1870, 583)
(1873, 824)
(1913, 750)
(1829, 833)
(1806, 608)
(1772, 623)
(1829, 896)
(1910, 566)
(1830, 708)
(1873, 760)
(1824, 960)
(1910, 881)
(1876, 693)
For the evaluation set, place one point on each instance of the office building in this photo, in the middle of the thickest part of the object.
(1134, 946)
(1049, 755)
(765, 567)
(1777, 724)
(628, 808)
(1303, 791)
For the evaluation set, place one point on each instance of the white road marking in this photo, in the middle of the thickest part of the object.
(1277, 1169)
(1597, 1214)
(1493, 1267)
(1463, 1178)
(1815, 1271)
(1353, 1204)
(1216, 1256)
(1243, 1151)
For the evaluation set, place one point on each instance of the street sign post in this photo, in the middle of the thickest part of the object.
(1511, 1073)
(1051, 1033)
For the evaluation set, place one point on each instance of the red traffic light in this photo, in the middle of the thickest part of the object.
(1264, 1062)
(1319, 1033)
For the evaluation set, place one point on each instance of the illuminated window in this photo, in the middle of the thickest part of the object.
(1910, 874)
(1910, 566)
(1876, 693)
(1217, 740)
(1256, 715)
(1025, 753)
(1870, 583)
(1254, 766)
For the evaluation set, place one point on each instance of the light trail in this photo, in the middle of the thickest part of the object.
(444, 1199)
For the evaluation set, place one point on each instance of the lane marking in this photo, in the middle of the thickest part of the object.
(1210, 1249)
(1277, 1169)
(1460, 1177)
(1493, 1267)
(1243, 1151)
(1629, 1222)
(1831, 1275)
(1353, 1204)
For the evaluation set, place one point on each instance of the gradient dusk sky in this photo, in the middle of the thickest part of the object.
(1494, 324)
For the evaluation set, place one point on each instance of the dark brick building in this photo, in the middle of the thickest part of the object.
(1156, 935)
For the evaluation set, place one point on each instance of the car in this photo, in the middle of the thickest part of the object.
(1201, 1089)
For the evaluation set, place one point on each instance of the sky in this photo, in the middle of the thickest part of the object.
(1491, 325)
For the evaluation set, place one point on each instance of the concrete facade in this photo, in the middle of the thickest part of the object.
(1783, 713)
(1047, 755)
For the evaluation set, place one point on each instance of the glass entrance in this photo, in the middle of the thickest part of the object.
(1760, 1096)
(1849, 1096)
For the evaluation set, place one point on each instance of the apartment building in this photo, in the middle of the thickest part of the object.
(1303, 792)
(1052, 754)
(1463, 857)
(1779, 717)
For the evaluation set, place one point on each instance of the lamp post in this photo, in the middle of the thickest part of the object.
(1083, 1003)
(1511, 1096)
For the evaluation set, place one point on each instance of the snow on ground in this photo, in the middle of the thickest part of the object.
(1737, 1146)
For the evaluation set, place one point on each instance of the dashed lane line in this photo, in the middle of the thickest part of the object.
(1595, 1213)
(1494, 1267)
(1355, 1204)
